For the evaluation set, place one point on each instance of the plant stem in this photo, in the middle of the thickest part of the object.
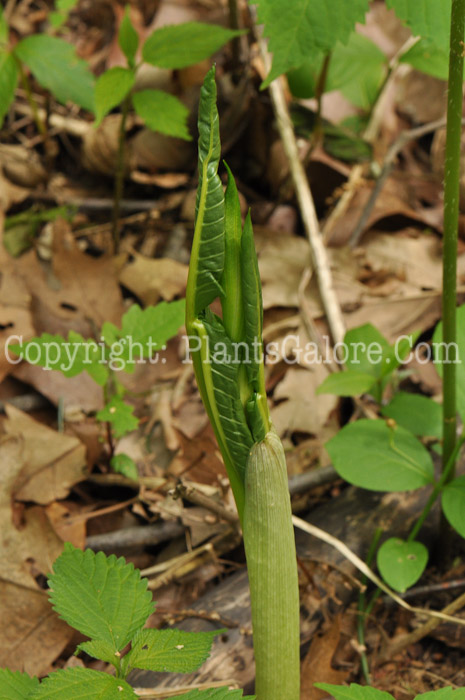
(362, 607)
(40, 124)
(119, 175)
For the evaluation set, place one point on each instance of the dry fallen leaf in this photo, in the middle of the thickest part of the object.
(154, 279)
(317, 668)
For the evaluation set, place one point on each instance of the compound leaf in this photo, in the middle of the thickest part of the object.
(102, 597)
(128, 38)
(57, 68)
(162, 112)
(417, 413)
(170, 650)
(120, 415)
(452, 500)
(401, 563)
(16, 685)
(426, 18)
(182, 45)
(111, 89)
(354, 692)
(370, 454)
(8, 82)
(83, 684)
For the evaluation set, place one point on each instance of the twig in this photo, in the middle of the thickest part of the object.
(193, 495)
(148, 535)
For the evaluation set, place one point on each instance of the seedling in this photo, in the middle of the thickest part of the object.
(105, 599)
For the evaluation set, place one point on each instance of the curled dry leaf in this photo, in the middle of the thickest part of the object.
(154, 279)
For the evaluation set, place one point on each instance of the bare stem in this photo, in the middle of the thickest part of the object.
(119, 176)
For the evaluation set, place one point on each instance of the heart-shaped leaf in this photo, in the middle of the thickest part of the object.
(401, 563)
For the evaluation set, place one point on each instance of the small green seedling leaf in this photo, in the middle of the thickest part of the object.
(401, 563)
(128, 38)
(8, 82)
(120, 415)
(162, 112)
(354, 692)
(182, 45)
(217, 694)
(170, 650)
(111, 89)
(100, 650)
(123, 464)
(347, 383)
(452, 500)
(454, 354)
(102, 597)
(429, 19)
(60, 16)
(417, 413)
(374, 456)
(15, 685)
(57, 68)
(83, 684)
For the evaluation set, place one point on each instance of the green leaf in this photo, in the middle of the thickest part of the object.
(123, 464)
(231, 301)
(182, 45)
(120, 415)
(369, 454)
(170, 650)
(128, 38)
(453, 354)
(453, 504)
(426, 18)
(83, 684)
(111, 89)
(428, 58)
(162, 112)
(100, 650)
(15, 685)
(252, 304)
(4, 29)
(217, 694)
(102, 597)
(8, 82)
(349, 382)
(57, 68)
(446, 693)
(305, 28)
(354, 692)
(401, 563)
(417, 413)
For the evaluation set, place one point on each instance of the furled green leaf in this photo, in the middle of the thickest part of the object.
(349, 382)
(252, 304)
(453, 504)
(182, 45)
(123, 464)
(15, 685)
(370, 454)
(401, 563)
(70, 357)
(57, 68)
(8, 82)
(426, 18)
(428, 58)
(111, 89)
(120, 415)
(354, 692)
(102, 597)
(83, 684)
(231, 301)
(128, 38)
(453, 354)
(100, 650)
(218, 694)
(417, 413)
(306, 27)
(162, 112)
(170, 650)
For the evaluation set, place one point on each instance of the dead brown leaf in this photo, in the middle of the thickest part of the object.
(154, 279)
(317, 668)
(68, 529)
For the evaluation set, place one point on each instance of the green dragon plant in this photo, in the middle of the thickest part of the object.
(228, 363)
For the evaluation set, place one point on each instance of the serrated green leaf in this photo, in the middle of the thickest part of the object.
(401, 563)
(453, 504)
(100, 650)
(170, 650)
(216, 694)
(162, 112)
(83, 684)
(455, 353)
(426, 18)
(15, 685)
(369, 454)
(349, 382)
(128, 38)
(354, 692)
(417, 413)
(111, 89)
(181, 45)
(123, 464)
(120, 415)
(102, 597)
(8, 82)
(57, 68)
(428, 58)
(305, 28)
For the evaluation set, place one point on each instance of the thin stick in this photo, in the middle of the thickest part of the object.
(119, 175)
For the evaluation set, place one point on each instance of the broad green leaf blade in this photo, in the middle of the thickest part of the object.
(102, 597)
(8, 82)
(218, 694)
(15, 685)
(401, 563)
(100, 650)
(455, 354)
(354, 692)
(369, 454)
(182, 45)
(57, 68)
(417, 413)
(120, 415)
(123, 464)
(428, 58)
(83, 684)
(162, 112)
(111, 89)
(170, 650)
(453, 504)
(128, 38)
(426, 18)
(349, 382)
(367, 350)
(446, 693)
(231, 301)
(4, 30)
(306, 27)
